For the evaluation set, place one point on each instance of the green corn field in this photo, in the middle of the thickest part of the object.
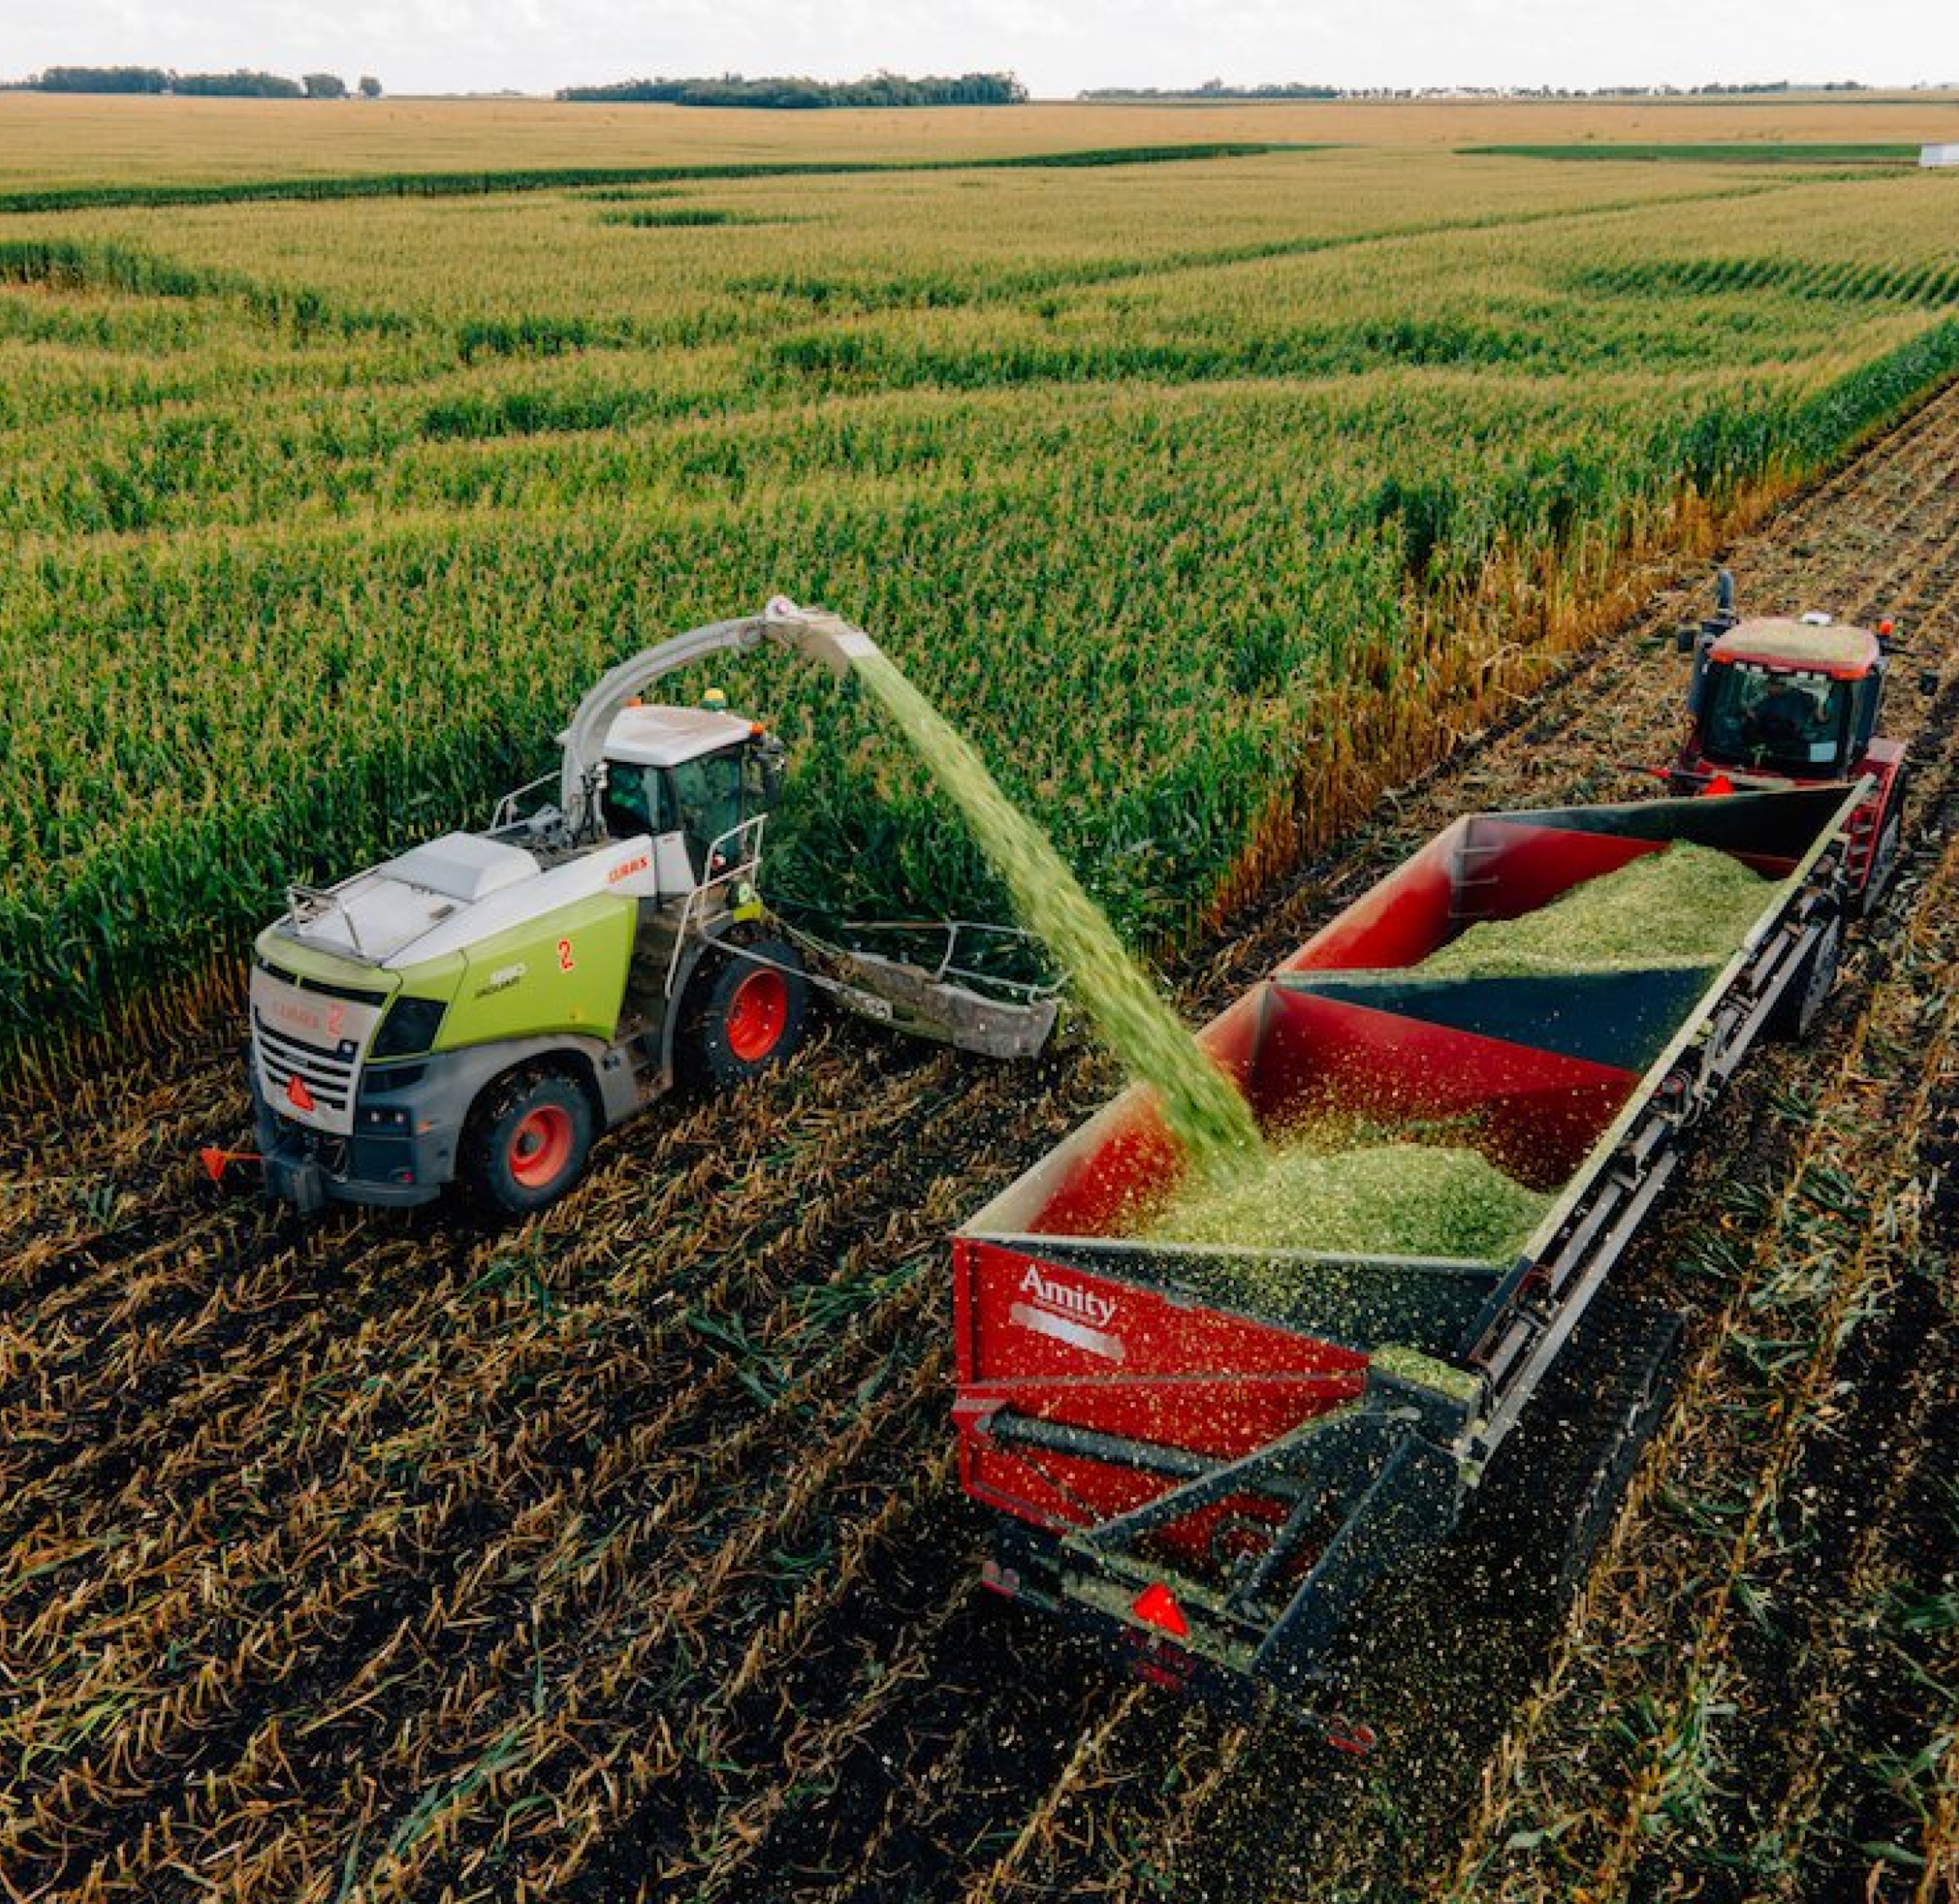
(1217, 472)
(323, 508)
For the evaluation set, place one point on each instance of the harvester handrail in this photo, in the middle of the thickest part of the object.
(747, 835)
(505, 817)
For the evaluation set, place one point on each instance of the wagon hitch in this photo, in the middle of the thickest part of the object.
(1716, 783)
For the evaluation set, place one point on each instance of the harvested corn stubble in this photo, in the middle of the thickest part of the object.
(1380, 1199)
(1686, 905)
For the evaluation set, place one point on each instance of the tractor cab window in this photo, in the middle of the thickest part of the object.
(1777, 720)
(707, 794)
(635, 801)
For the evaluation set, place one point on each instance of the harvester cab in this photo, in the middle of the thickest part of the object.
(482, 1006)
(694, 780)
(1778, 702)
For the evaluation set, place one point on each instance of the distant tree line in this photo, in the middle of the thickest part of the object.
(241, 84)
(876, 89)
(1216, 89)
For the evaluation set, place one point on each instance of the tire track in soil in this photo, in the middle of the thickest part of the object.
(1044, 1776)
(692, 1397)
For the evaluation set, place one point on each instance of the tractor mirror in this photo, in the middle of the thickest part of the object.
(1928, 680)
(1684, 636)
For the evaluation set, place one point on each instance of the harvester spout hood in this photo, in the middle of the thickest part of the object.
(817, 634)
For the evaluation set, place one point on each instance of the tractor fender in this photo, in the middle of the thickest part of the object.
(452, 1081)
(710, 939)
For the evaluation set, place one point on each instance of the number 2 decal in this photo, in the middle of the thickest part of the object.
(565, 961)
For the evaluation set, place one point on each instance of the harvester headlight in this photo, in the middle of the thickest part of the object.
(411, 1026)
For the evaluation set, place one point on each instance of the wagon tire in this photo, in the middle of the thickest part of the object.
(1884, 857)
(1797, 1011)
(527, 1143)
(747, 1009)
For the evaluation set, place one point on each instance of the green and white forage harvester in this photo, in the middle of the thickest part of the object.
(482, 1006)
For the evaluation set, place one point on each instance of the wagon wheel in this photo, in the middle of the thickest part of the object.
(1884, 860)
(1797, 1011)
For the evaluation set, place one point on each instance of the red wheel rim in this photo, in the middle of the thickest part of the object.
(541, 1146)
(757, 1014)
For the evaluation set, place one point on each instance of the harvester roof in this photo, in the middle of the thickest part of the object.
(1836, 649)
(664, 737)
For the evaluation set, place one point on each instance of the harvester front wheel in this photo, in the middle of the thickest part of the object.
(752, 1004)
(528, 1142)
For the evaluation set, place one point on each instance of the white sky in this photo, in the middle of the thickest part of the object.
(1057, 47)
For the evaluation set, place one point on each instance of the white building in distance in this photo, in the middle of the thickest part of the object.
(1939, 155)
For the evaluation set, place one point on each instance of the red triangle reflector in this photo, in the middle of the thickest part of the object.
(1720, 786)
(1156, 1606)
(296, 1094)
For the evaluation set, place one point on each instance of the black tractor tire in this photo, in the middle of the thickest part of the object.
(1884, 857)
(528, 1140)
(1797, 1011)
(746, 1010)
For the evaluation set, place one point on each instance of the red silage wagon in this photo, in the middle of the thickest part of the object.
(1211, 1455)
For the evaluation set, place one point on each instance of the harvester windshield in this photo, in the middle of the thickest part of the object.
(634, 800)
(708, 793)
(1777, 719)
(704, 800)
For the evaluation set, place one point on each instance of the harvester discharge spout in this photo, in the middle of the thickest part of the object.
(817, 635)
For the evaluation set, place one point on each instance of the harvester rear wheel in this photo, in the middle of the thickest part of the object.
(528, 1141)
(752, 1002)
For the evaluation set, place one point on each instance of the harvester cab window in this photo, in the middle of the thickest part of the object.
(708, 793)
(635, 802)
(1778, 719)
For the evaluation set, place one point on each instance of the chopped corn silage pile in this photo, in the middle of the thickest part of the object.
(1683, 906)
(1396, 1199)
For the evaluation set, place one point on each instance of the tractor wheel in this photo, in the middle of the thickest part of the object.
(528, 1140)
(1883, 861)
(750, 1003)
(1797, 1011)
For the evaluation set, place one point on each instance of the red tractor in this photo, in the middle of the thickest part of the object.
(1780, 703)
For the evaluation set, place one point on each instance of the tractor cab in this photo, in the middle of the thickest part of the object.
(700, 780)
(1776, 702)
(1783, 700)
